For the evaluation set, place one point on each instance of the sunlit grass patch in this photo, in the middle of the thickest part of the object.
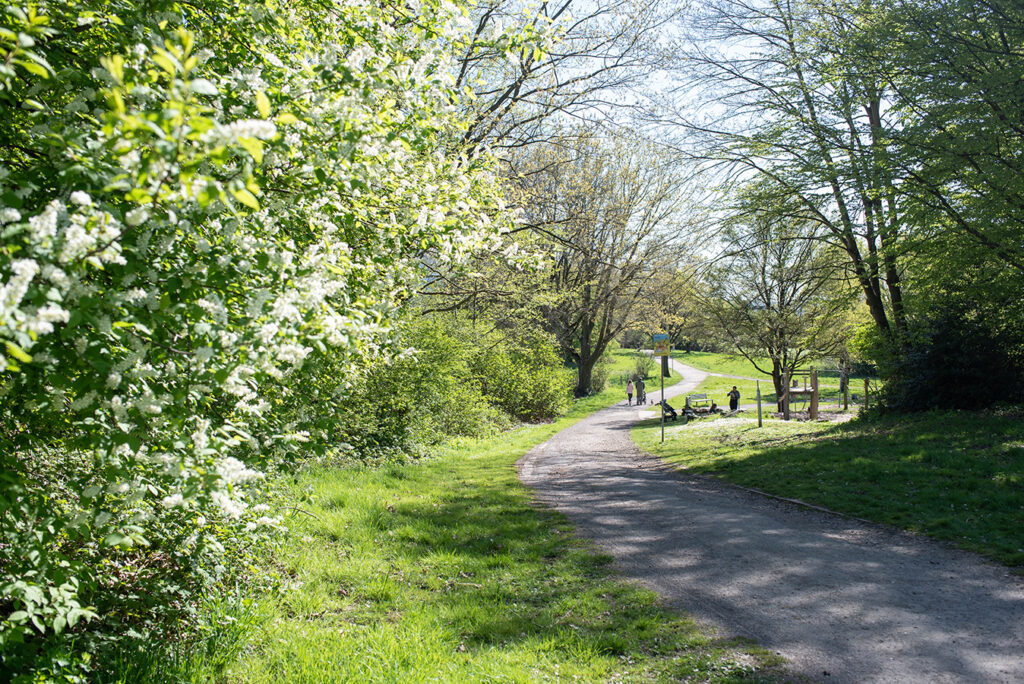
(730, 364)
(715, 362)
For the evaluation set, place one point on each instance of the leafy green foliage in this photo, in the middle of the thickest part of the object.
(893, 127)
(452, 380)
(609, 211)
(956, 360)
(525, 377)
(210, 214)
(957, 70)
(644, 365)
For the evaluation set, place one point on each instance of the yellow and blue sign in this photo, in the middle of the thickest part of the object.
(662, 346)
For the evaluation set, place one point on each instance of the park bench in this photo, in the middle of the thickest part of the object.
(695, 400)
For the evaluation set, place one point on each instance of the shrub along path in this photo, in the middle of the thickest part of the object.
(843, 601)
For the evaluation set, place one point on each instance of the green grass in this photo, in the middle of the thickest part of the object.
(624, 368)
(955, 476)
(732, 364)
(714, 362)
(446, 571)
(716, 388)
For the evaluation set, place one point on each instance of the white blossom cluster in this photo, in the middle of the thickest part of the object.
(246, 235)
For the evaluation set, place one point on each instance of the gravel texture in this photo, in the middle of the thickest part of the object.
(841, 600)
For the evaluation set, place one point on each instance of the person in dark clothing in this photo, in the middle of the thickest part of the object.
(734, 398)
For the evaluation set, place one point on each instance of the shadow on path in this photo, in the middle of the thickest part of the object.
(859, 602)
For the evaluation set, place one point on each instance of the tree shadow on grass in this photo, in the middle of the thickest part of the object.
(510, 581)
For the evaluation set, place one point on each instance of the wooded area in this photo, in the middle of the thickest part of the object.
(237, 238)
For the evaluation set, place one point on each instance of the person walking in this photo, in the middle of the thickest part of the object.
(629, 392)
(734, 398)
(641, 392)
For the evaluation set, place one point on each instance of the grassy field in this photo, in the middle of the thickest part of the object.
(955, 476)
(446, 571)
(734, 364)
(713, 362)
(731, 364)
(716, 388)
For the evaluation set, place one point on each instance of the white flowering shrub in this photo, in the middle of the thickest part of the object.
(210, 211)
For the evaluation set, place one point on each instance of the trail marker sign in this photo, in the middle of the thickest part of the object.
(661, 345)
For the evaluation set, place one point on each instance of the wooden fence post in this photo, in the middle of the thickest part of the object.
(785, 395)
(814, 394)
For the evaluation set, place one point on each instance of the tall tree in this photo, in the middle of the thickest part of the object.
(210, 211)
(529, 68)
(778, 292)
(669, 305)
(610, 212)
(525, 63)
(785, 98)
(957, 74)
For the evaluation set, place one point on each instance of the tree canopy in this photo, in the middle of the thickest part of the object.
(212, 213)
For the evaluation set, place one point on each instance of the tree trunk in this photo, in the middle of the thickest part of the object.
(587, 358)
(585, 377)
(777, 382)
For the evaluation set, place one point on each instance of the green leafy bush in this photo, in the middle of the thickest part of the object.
(954, 360)
(599, 376)
(644, 365)
(525, 378)
(431, 387)
(451, 381)
(210, 214)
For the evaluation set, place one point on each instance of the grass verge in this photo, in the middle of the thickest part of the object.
(954, 476)
(717, 388)
(714, 362)
(445, 571)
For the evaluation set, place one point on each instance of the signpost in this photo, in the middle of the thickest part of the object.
(661, 344)
(759, 404)
(662, 347)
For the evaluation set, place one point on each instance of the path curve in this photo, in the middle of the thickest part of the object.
(842, 601)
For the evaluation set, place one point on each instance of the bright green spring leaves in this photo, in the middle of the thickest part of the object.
(210, 213)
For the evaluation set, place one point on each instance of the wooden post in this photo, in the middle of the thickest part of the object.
(758, 403)
(814, 394)
(785, 395)
(867, 385)
(662, 405)
(845, 379)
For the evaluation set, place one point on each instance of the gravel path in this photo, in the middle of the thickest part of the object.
(841, 600)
